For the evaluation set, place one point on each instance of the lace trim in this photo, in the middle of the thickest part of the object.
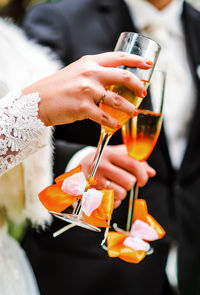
(20, 128)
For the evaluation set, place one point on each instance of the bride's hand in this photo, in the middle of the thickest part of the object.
(74, 92)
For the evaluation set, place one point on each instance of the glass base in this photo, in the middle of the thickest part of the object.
(75, 219)
(150, 251)
(117, 229)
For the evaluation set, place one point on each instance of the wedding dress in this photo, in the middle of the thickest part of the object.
(16, 276)
(25, 153)
(20, 129)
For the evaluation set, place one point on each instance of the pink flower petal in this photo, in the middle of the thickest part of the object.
(136, 243)
(91, 200)
(143, 230)
(75, 184)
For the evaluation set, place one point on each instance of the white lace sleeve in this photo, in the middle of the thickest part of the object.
(20, 128)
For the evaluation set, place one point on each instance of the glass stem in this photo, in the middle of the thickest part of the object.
(133, 196)
(103, 141)
(77, 209)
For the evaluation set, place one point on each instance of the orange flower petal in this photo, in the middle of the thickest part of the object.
(114, 242)
(156, 226)
(105, 210)
(129, 255)
(117, 249)
(140, 210)
(103, 213)
(95, 221)
(68, 174)
(55, 199)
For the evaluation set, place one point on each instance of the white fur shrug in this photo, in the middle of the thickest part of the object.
(22, 62)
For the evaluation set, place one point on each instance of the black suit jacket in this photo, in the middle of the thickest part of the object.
(74, 28)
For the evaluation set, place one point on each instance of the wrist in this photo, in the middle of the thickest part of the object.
(42, 116)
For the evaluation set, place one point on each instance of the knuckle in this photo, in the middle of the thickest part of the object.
(121, 55)
(130, 183)
(85, 86)
(126, 76)
(104, 119)
(85, 58)
(117, 101)
(134, 165)
(89, 71)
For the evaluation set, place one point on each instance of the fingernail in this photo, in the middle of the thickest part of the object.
(149, 62)
(144, 93)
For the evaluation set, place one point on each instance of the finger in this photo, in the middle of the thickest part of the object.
(101, 182)
(119, 58)
(120, 176)
(95, 114)
(109, 76)
(116, 101)
(117, 203)
(119, 192)
(133, 166)
(150, 171)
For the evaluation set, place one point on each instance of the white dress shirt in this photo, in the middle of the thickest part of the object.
(165, 27)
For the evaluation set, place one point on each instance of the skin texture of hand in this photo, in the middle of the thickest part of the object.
(74, 92)
(120, 169)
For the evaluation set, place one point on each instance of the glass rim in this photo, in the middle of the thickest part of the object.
(164, 76)
(143, 36)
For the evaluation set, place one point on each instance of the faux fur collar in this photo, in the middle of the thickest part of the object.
(22, 62)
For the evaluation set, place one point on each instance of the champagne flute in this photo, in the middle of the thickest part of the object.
(141, 133)
(135, 44)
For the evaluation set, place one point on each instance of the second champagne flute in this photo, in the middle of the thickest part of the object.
(141, 133)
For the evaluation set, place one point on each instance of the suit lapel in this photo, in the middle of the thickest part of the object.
(191, 24)
(115, 18)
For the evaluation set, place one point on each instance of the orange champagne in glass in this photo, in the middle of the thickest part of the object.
(140, 134)
(120, 116)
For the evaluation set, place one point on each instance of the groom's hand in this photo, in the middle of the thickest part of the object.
(119, 170)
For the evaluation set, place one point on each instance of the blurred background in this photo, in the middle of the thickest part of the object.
(16, 8)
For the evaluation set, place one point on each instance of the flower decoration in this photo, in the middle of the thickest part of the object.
(132, 246)
(97, 206)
